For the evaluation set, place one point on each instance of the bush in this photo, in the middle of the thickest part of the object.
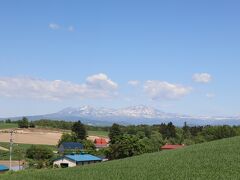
(126, 146)
(23, 123)
(37, 152)
(31, 125)
(66, 137)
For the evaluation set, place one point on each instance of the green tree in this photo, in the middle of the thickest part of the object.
(225, 132)
(126, 146)
(186, 131)
(66, 137)
(37, 152)
(148, 145)
(88, 145)
(153, 143)
(31, 125)
(157, 140)
(20, 154)
(199, 139)
(211, 133)
(171, 130)
(39, 156)
(141, 134)
(8, 121)
(23, 123)
(80, 130)
(147, 131)
(114, 133)
(168, 131)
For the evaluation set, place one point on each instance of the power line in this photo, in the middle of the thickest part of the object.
(11, 146)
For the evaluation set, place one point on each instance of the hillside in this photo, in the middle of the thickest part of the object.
(214, 160)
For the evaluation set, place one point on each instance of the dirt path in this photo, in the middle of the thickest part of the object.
(3, 149)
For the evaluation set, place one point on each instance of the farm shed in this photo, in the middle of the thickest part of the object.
(3, 169)
(68, 146)
(100, 143)
(76, 160)
(171, 147)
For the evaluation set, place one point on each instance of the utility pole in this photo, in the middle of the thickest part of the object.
(11, 145)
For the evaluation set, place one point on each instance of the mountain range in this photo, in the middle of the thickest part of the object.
(131, 115)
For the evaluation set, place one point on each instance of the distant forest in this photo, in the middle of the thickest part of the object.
(170, 133)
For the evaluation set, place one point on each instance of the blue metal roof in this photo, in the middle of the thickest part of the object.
(83, 157)
(72, 145)
(3, 168)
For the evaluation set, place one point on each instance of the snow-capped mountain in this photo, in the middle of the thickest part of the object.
(130, 112)
(141, 115)
(132, 115)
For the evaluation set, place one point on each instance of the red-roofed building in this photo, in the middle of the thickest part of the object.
(100, 143)
(171, 147)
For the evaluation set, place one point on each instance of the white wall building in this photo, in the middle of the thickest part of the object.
(76, 160)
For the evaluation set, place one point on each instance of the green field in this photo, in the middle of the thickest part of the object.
(214, 160)
(98, 133)
(8, 125)
(4, 155)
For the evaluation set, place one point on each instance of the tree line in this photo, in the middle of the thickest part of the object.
(48, 123)
(126, 141)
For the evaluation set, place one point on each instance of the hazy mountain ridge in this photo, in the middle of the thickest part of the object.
(132, 115)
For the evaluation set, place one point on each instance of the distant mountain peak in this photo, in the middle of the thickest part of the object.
(139, 111)
(139, 114)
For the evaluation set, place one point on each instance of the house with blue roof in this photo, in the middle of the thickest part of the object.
(3, 169)
(70, 146)
(73, 160)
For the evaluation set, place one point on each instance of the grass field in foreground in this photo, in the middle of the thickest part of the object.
(214, 160)
(8, 125)
(4, 155)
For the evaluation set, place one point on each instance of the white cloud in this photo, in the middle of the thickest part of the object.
(96, 86)
(54, 26)
(101, 81)
(71, 28)
(210, 95)
(202, 77)
(159, 90)
(134, 82)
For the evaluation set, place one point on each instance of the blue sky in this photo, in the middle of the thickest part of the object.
(177, 56)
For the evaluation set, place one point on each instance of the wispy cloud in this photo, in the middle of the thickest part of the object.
(71, 28)
(202, 77)
(96, 86)
(162, 90)
(210, 95)
(54, 26)
(134, 82)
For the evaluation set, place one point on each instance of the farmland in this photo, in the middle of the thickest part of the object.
(98, 133)
(33, 136)
(8, 125)
(4, 155)
(42, 136)
(213, 160)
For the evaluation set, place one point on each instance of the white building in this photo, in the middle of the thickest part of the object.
(76, 160)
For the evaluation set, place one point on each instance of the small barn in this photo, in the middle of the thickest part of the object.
(3, 169)
(70, 146)
(172, 146)
(100, 143)
(76, 160)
